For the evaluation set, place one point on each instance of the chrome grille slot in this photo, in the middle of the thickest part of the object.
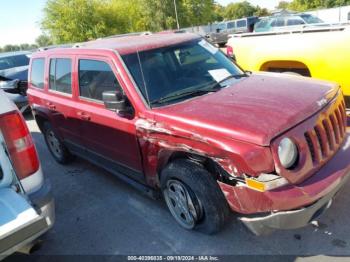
(326, 137)
(322, 140)
(311, 147)
(340, 123)
(335, 128)
(329, 133)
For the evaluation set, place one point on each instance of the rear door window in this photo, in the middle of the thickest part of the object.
(295, 21)
(278, 22)
(61, 75)
(230, 25)
(37, 72)
(242, 23)
(96, 77)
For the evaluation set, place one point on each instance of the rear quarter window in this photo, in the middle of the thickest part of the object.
(37, 72)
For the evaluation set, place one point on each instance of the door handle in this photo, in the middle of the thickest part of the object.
(84, 116)
(51, 106)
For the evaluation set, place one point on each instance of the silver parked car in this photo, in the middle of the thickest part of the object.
(26, 202)
(14, 77)
(224, 29)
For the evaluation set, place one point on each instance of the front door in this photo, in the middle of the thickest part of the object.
(110, 140)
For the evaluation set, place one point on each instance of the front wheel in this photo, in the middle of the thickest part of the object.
(194, 197)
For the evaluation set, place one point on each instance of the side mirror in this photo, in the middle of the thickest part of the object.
(117, 102)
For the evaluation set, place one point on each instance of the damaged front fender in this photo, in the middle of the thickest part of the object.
(159, 142)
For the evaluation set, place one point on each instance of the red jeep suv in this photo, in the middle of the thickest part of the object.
(171, 113)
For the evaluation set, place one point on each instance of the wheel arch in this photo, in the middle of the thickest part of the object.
(286, 66)
(206, 162)
(40, 119)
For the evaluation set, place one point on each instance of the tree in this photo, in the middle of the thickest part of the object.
(283, 5)
(198, 12)
(261, 12)
(43, 40)
(239, 10)
(218, 12)
(303, 5)
(82, 20)
(158, 15)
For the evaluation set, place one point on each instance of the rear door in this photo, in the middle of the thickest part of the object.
(60, 90)
(18, 219)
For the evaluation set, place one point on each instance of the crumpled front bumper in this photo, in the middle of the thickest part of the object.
(291, 206)
(291, 219)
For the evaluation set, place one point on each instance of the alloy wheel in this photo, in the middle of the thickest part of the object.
(183, 204)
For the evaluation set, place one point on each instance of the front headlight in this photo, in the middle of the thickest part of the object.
(287, 153)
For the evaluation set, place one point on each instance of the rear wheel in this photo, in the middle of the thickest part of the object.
(55, 145)
(194, 197)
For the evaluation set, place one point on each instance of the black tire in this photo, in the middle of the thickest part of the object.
(209, 210)
(57, 149)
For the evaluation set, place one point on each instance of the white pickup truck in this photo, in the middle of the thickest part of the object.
(26, 203)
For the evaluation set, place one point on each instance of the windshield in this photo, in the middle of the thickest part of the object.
(180, 69)
(310, 19)
(13, 61)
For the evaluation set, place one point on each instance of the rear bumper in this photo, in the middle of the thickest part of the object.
(291, 206)
(43, 202)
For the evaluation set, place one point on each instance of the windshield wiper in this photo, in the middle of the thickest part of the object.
(184, 94)
(232, 76)
(213, 88)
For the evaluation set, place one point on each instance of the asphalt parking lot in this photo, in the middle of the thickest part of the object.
(98, 214)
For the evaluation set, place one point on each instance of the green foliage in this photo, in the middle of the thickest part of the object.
(21, 47)
(261, 12)
(239, 10)
(283, 5)
(81, 20)
(198, 12)
(303, 5)
(157, 15)
(218, 11)
(43, 40)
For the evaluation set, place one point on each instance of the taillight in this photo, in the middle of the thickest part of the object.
(229, 51)
(19, 144)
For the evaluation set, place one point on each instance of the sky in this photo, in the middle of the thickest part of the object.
(19, 19)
